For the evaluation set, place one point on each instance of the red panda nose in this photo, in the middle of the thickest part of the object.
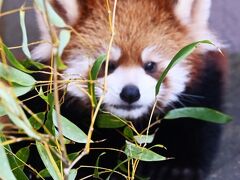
(130, 94)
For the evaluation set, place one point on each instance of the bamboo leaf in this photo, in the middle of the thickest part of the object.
(96, 170)
(35, 124)
(6, 172)
(13, 61)
(2, 112)
(13, 75)
(64, 38)
(72, 174)
(106, 120)
(136, 152)
(93, 76)
(48, 161)
(142, 139)
(21, 90)
(22, 154)
(199, 113)
(24, 33)
(15, 112)
(55, 19)
(181, 55)
(70, 130)
(31, 63)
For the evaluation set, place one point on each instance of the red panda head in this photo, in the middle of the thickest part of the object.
(147, 35)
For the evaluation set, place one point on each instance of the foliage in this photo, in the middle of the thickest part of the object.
(49, 131)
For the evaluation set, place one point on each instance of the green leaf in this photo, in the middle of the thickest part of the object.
(72, 174)
(60, 64)
(30, 63)
(21, 90)
(49, 122)
(13, 75)
(44, 173)
(14, 62)
(64, 38)
(15, 113)
(142, 139)
(106, 120)
(181, 55)
(2, 112)
(48, 161)
(55, 19)
(6, 172)
(97, 66)
(16, 169)
(69, 129)
(96, 171)
(24, 34)
(199, 113)
(128, 133)
(22, 154)
(136, 152)
(35, 124)
(93, 76)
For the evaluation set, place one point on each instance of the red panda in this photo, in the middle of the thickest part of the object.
(148, 33)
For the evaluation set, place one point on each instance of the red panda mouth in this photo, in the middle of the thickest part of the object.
(127, 107)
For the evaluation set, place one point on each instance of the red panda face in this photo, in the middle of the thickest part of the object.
(147, 35)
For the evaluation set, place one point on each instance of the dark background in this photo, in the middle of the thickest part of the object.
(225, 21)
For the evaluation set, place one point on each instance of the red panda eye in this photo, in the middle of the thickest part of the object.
(111, 66)
(150, 67)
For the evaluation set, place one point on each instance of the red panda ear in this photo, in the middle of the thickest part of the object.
(68, 9)
(194, 12)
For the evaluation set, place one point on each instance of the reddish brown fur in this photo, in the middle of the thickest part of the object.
(139, 23)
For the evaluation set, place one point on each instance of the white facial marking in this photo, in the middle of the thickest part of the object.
(118, 80)
(183, 10)
(149, 54)
(72, 10)
(115, 53)
(78, 67)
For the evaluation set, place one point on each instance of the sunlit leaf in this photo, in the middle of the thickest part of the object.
(199, 113)
(2, 112)
(24, 34)
(48, 161)
(142, 139)
(69, 129)
(21, 90)
(181, 55)
(72, 174)
(136, 152)
(64, 38)
(106, 120)
(6, 172)
(55, 19)
(15, 112)
(13, 75)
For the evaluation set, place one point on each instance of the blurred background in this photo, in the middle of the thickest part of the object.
(225, 22)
